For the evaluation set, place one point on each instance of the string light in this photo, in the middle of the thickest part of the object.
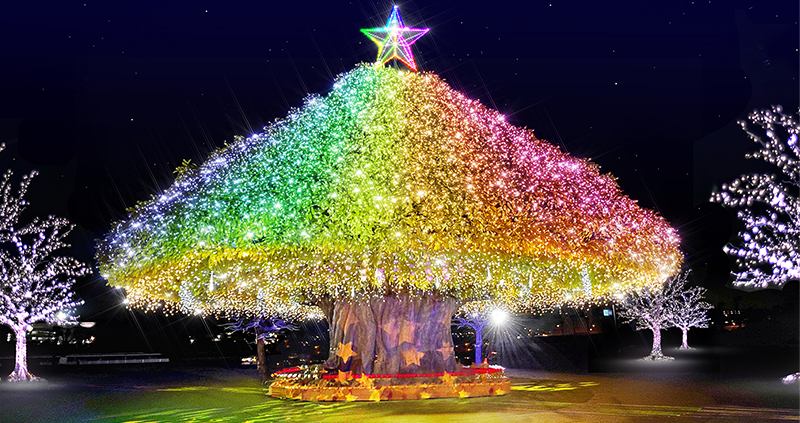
(303, 372)
(35, 285)
(768, 250)
(392, 183)
(651, 309)
(313, 383)
(394, 40)
(687, 309)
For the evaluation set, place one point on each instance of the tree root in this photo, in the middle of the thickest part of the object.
(657, 358)
(29, 377)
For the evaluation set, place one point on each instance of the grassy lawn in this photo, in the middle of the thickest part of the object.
(220, 395)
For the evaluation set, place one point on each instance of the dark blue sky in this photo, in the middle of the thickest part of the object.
(106, 99)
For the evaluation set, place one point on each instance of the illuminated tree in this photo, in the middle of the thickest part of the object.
(651, 308)
(264, 329)
(385, 206)
(477, 315)
(35, 285)
(687, 309)
(767, 253)
(768, 250)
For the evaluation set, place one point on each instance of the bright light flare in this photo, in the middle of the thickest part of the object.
(499, 317)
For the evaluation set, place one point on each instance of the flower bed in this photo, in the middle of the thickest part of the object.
(313, 383)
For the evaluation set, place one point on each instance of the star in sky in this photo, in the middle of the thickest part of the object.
(395, 39)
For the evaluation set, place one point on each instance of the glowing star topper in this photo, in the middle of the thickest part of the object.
(395, 39)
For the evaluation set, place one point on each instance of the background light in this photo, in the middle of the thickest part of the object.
(499, 317)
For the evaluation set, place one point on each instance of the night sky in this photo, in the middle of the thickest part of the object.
(107, 99)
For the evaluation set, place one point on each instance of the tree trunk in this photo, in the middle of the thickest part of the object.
(656, 351)
(478, 344)
(261, 359)
(393, 335)
(685, 343)
(326, 304)
(20, 372)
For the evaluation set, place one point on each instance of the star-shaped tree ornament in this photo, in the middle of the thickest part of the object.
(407, 331)
(343, 376)
(390, 328)
(447, 378)
(365, 381)
(412, 356)
(345, 351)
(446, 350)
(395, 39)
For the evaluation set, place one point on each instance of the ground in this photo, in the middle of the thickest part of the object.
(209, 394)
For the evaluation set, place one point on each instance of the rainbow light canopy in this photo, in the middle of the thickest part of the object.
(392, 183)
(394, 40)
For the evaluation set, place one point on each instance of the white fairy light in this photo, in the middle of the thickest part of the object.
(768, 251)
(35, 285)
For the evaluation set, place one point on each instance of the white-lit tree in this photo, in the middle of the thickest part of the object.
(35, 285)
(650, 308)
(768, 250)
(687, 309)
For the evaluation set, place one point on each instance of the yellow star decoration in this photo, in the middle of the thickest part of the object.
(424, 395)
(343, 376)
(345, 351)
(375, 395)
(390, 328)
(463, 393)
(412, 356)
(499, 392)
(447, 378)
(350, 397)
(446, 350)
(365, 381)
(407, 332)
